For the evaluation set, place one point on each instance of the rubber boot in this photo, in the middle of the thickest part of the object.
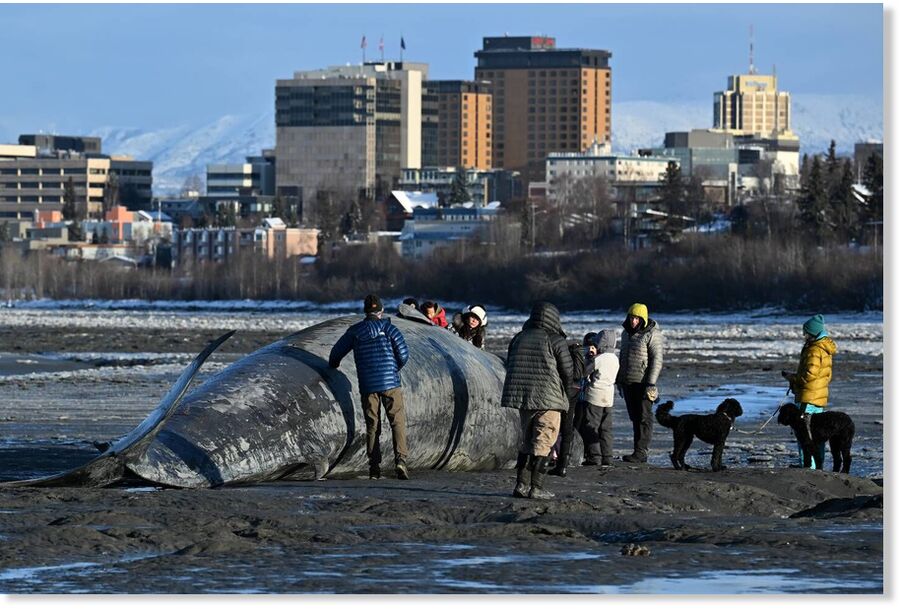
(560, 468)
(538, 471)
(523, 476)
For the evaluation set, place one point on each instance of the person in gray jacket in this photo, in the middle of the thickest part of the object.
(596, 401)
(538, 374)
(640, 362)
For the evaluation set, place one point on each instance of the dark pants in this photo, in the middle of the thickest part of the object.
(596, 432)
(392, 399)
(640, 411)
(569, 421)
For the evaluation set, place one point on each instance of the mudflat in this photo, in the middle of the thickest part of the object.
(760, 526)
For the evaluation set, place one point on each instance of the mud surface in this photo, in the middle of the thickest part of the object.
(758, 527)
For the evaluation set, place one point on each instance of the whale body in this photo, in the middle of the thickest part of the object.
(282, 412)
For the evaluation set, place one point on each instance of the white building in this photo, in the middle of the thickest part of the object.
(598, 161)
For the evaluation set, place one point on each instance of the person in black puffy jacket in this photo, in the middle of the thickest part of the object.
(379, 351)
(539, 375)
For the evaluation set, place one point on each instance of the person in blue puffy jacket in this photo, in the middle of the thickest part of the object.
(379, 351)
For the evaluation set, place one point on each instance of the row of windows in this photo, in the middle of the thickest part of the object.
(36, 171)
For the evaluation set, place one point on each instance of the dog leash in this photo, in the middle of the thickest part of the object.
(753, 433)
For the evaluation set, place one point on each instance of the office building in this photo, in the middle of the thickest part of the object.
(753, 106)
(346, 132)
(35, 176)
(254, 177)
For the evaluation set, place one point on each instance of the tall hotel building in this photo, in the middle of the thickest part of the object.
(347, 131)
(463, 123)
(753, 106)
(544, 100)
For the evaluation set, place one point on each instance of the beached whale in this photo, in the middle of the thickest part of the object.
(282, 412)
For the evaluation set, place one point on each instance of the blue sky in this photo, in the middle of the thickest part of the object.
(152, 66)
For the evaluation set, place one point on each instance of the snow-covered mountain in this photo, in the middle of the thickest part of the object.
(183, 151)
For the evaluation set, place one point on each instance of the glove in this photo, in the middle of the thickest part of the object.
(651, 393)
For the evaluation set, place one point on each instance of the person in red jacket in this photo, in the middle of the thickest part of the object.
(435, 313)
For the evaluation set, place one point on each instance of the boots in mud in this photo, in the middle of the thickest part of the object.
(523, 476)
(560, 468)
(538, 471)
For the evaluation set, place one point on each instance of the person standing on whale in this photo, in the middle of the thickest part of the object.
(379, 351)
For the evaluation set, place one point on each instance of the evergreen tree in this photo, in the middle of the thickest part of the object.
(804, 170)
(844, 208)
(832, 167)
(69, 208)
(460, 190)
(110, 194)
(673, 195)
(873, 180)
(279, 209)
(76, 231)
(813, 204)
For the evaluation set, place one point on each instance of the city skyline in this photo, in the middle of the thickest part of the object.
(154, 66)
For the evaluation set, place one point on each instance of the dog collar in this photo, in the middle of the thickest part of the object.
(730, 420)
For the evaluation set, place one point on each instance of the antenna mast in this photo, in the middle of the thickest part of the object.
(752, 69)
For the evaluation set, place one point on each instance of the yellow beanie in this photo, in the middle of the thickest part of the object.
(640, 310)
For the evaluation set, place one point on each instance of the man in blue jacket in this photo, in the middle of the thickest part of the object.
(379, 352)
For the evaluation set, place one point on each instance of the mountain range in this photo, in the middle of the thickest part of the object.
(183, 151)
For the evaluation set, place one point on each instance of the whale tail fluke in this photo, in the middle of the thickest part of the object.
(109, 467)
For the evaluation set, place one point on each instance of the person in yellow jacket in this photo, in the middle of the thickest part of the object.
(810, 383)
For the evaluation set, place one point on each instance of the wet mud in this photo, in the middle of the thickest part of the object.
(760, 526)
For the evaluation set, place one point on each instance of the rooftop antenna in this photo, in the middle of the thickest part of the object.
(752, 69)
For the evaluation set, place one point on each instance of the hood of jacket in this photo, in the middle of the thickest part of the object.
(644, 328)
(606, 341)
(826, 344)
(545, 315)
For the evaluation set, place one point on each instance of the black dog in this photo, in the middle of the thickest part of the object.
(711, 428)
(836, 428)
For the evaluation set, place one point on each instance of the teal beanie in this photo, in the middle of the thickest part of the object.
(815, 325)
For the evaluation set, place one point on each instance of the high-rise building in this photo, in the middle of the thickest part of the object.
(464, 123)
(753, 105)
(347, 131)
(544, 99)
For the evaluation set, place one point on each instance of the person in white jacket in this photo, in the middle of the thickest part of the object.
(601, 367)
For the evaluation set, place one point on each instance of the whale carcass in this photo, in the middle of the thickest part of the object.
(282, 412)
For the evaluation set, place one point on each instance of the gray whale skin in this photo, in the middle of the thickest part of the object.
(282, 412)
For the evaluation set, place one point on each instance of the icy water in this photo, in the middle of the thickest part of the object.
(428, 569)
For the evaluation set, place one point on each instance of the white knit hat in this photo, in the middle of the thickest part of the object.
(479, 312)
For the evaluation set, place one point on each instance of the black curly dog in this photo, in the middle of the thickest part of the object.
(711, 428)
(836, 428)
